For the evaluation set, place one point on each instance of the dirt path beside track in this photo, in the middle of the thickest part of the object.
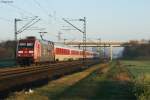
(56, 87)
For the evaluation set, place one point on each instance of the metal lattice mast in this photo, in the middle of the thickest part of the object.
(82, 31)
(84, 39)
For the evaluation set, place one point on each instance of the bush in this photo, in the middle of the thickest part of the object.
(7, 49)
(142, 87)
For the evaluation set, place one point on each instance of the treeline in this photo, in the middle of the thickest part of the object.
(135, 51)
(7, 50)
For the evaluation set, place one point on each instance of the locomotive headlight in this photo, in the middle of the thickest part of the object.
(20, 51)
(30, 51)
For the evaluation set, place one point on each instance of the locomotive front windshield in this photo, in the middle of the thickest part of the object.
(25, 45)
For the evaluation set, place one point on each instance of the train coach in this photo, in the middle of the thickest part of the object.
(64, 53)
(32, 50)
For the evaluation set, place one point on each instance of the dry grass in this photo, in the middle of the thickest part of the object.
(123, 77)
(56, 87)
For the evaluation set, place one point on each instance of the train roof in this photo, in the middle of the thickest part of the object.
(61, 45)
(32, 38)
(58, 44)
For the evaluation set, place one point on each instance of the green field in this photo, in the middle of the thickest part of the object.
(137, 67)
(140, 71)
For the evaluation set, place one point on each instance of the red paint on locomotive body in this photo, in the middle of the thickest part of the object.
(37, 51)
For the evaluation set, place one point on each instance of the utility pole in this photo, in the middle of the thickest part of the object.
(82, 31)
(111, 52)
(15, 34)
(59, 36)
(104, 51)
(99, 48)
(41, 35)
(84, 39)
(65, 41)
(15, 27)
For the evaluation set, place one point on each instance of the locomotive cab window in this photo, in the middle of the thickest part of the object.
(30, 44)
(22, 45)
(26, 45)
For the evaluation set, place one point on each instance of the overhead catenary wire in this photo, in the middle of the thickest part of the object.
(44, 11)
(28, 14)
(27, 24)
(24, 12)
(39, 5)
(20, 9)
(4, 19)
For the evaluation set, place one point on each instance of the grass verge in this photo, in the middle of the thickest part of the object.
(56, 87)
(141, 77)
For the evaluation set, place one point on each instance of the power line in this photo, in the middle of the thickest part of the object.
(82, 31)
(24, 11)
(27, 13)
(28, 25)
(19, 9)
(4, 19)
(44, 10)
(39, 5)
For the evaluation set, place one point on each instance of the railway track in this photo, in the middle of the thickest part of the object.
(14, 77)
(6, 71)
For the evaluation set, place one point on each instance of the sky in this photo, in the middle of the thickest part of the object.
(120, 20)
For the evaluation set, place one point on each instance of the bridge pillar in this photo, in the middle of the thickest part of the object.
(111, 52)
(79, 46)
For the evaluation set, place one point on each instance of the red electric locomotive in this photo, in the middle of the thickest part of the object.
(32, 50)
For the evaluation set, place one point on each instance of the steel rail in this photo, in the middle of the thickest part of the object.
(27, 69)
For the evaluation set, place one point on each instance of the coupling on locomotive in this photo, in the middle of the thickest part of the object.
(33, 51)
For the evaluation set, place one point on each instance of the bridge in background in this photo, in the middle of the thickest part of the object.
(104, 44)
(98, 44)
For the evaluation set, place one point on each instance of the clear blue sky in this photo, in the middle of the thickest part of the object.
(106, 19)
